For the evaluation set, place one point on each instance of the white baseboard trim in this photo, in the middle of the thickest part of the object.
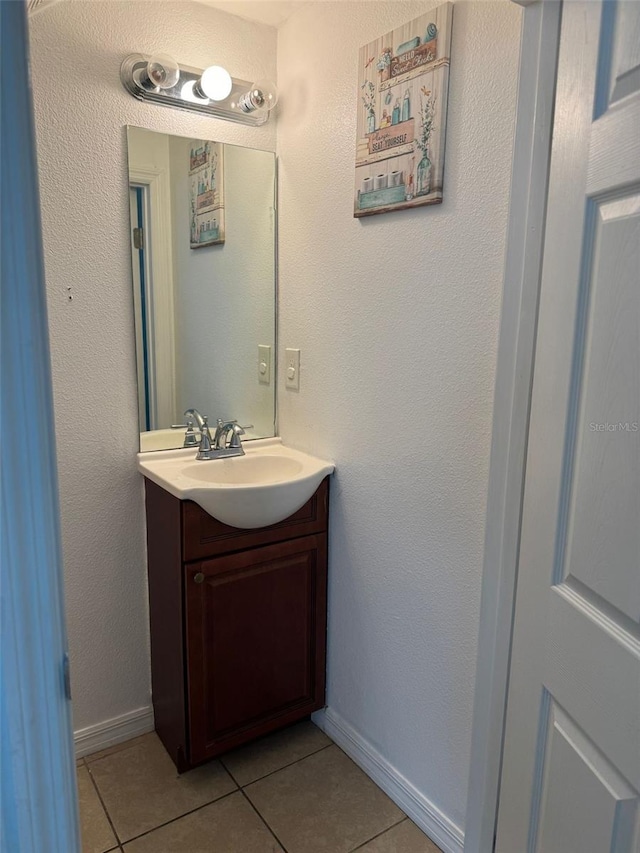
(442, 831)
(110, 732)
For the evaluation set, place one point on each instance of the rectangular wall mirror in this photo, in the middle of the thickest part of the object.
(203, 256)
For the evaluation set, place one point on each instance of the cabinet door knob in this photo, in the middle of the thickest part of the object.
(198, 577)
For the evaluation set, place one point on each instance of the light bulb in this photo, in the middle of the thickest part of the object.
(187, 93)
(161, 72)
(215, 83)
(261, 97)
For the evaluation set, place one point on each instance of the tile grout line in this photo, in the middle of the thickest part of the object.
(104, 805)
(378, 834)
(280, 844)
(241, 789)
(160, 825)
(271, 772)
(216, 799)
(180, 816)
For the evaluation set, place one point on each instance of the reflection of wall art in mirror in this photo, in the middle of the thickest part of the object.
(206, 193)
(403, 85)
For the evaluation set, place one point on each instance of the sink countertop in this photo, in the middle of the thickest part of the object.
(266, 485)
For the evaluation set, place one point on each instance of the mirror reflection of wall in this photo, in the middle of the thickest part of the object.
(203, 261)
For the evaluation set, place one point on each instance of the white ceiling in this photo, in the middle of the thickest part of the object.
(272, 12)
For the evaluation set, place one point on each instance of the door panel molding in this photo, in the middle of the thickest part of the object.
(609, 617)
(573, 771)
(546, 702)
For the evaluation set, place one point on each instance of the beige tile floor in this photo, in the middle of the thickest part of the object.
(291, 792)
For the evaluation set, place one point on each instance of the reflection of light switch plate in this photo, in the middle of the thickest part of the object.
(264, 364)
(292, 368)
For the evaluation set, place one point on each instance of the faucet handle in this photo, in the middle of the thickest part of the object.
(190, 437)
(236, 432)
(204, 447)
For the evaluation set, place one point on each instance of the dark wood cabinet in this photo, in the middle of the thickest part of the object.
(238, 624)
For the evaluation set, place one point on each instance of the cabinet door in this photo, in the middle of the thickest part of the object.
(256, 632)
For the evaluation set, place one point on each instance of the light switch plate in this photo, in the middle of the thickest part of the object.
(264, 364)
(292, 368)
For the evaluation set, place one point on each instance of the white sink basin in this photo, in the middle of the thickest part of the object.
(266, 485)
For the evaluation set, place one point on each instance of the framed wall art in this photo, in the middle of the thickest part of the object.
(206, 193)
(403, 87)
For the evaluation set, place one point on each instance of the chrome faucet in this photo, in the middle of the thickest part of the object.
(220, 446)
(194, 415)
(205, 448)
(224, 448)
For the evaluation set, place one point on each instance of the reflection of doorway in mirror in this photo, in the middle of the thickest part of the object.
(206, 193)
(152, 299)
(140, 302)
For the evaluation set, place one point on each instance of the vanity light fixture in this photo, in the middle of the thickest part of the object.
(159, 79)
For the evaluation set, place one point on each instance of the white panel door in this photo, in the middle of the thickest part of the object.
(571, 771)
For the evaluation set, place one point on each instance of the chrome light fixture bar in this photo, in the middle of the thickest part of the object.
(153, 79)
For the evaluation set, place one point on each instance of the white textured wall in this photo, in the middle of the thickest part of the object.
(397, 319)
(81, 111)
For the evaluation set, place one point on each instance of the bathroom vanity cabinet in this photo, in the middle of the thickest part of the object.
(238, 624)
